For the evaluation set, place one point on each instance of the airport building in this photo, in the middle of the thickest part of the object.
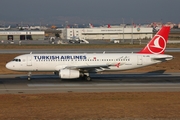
(22, 35)
(101, 33)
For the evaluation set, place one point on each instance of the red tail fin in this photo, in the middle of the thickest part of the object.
(90, 25)
(157, 45)
(109, 26)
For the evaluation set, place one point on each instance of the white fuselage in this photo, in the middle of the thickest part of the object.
(56, 62)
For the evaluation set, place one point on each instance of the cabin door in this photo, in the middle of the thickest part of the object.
(29, 60)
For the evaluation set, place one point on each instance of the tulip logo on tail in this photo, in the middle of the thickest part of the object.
(158, 45)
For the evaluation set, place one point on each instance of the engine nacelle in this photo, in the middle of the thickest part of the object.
(69, 74)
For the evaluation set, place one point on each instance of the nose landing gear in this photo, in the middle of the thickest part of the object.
(29, 76)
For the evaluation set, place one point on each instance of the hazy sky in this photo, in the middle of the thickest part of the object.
(89, 11)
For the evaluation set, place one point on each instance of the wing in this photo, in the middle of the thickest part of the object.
(88, 68)
(93, 68)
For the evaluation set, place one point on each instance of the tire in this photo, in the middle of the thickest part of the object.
(88, 78)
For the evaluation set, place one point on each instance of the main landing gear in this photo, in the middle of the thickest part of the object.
(86, 77)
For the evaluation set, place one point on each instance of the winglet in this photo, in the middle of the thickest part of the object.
(157, 45)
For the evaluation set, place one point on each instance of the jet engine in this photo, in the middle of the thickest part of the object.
(69, 74)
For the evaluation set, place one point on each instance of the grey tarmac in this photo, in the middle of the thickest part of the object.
(129, 82)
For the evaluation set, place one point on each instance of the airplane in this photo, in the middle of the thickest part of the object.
(91, 25)
(71, 66)
(32, 27)
(109, 26)
(5, 28)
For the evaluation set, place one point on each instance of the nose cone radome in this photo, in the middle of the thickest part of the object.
(9, 66)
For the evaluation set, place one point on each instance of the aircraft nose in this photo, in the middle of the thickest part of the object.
(9, 65)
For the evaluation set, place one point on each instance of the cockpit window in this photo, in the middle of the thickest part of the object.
(17, 60)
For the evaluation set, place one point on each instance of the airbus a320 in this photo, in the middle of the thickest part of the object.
(71, 66)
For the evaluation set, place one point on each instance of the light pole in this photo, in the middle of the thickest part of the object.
(123, 29)
(132, 32)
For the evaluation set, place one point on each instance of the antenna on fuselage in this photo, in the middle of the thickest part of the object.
(104, 52)
(30, 53)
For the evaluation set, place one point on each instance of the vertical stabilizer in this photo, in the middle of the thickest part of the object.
(157, 45)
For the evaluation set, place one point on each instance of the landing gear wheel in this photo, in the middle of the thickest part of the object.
(88, 78)
(29, 76)
(29, 79)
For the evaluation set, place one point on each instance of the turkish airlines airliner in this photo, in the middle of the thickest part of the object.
(5, 28)
(70, 66)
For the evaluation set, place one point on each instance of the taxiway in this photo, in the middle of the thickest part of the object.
(18, 84)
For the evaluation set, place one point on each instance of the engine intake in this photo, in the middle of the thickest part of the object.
(69, 74)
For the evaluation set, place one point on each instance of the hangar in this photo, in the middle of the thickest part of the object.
(101, 33)
(21, 35)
